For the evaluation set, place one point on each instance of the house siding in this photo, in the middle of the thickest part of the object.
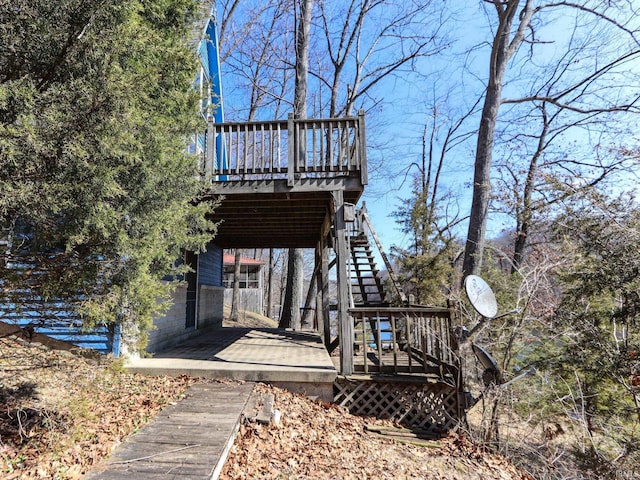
(210, 266)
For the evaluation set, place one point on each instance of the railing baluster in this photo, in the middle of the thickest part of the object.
(275, 144)
(394, 343)
(364, 343)
(229, 136)
(245, 152)
(425, 351)
(263, 158)
(292, 138)
(238, 157)
(313, 143)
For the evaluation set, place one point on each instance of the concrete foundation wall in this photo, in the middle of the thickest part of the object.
(170, 329)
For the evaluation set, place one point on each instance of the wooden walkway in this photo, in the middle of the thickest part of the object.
(189, 440)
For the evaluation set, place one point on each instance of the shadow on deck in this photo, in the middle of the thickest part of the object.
(297, 361)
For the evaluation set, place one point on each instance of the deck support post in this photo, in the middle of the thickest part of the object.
(319, 317)
(342, 251)
(323, 301)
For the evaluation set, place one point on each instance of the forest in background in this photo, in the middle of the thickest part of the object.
(519, 114)
(515, 125)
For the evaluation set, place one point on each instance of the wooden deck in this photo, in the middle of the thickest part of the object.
(277, 180)
(189, 440)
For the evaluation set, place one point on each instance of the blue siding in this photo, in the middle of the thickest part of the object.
(69, 329)
(210, 266)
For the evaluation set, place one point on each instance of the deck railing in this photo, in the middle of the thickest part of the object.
(400, 340)
(293, 149)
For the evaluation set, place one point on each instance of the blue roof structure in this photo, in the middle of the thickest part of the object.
(210, 78)
(209, 81)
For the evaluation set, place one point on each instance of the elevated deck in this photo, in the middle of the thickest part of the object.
(278, 179)
(294, 184)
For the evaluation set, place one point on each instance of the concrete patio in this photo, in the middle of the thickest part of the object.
(297, 361)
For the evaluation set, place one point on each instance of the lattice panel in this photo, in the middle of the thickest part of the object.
(430, 407)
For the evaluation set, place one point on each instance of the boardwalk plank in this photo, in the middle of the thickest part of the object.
(187, 440)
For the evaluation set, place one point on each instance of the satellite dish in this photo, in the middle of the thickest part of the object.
(484, 358)
(481, 296)
(491, 374)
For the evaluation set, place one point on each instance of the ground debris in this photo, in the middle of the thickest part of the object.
(317, 440)
(61, 413)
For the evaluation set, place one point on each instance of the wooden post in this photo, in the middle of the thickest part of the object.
(323, 284)
(319, 317)
(344, 322)
(209, 161)
(323, 303)
(362, 147)
(291, 160)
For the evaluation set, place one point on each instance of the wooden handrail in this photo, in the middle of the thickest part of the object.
(292, 149)
(405, 340)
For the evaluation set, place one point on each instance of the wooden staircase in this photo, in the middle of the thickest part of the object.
(367, 286)
(405, 361)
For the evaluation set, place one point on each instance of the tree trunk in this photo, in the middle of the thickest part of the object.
(309, 304)
(235, 302)
(502, 50)
(269, 301)
(290, 317)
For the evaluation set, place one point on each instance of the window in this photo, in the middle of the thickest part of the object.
(249, 276)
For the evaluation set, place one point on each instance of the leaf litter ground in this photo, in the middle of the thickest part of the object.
(61, 413)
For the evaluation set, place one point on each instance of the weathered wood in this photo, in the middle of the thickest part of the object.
(348, 183)
(189, 440)
(287, 219)
(7, 329)
(344, 322)
(364, 175)
(433, 408)
(291, 170)
(266, 412)
(419, 341)
(326, 302)
(255, 150)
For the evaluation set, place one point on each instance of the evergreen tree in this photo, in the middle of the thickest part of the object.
(96, 107)
(594, 355)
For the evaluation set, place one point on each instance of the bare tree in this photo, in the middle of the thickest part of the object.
(360, 52)
(561, 86)
(506, 42)
(290, 317)
(431, 214)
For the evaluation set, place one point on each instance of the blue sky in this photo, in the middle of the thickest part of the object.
(452, 81)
